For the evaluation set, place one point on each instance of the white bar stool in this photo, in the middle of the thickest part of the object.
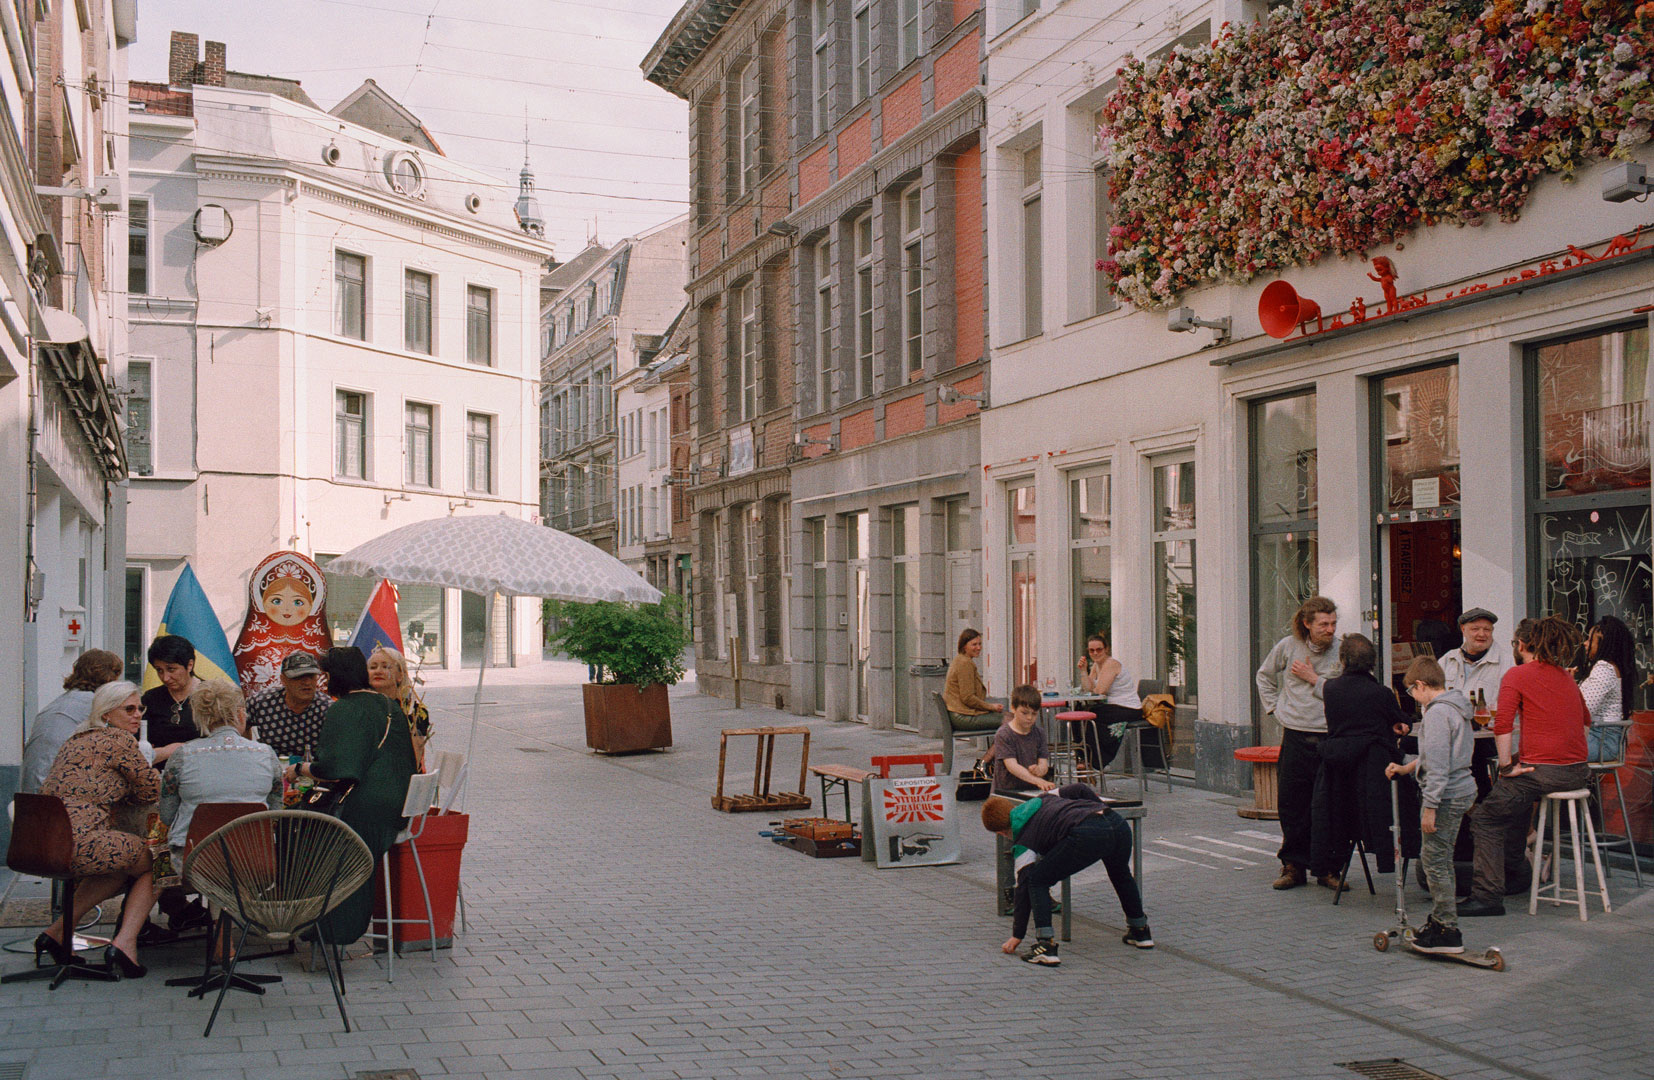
(1574, 799)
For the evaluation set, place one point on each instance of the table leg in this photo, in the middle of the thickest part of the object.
(1067, 909)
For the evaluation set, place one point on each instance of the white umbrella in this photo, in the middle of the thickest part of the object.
(491, 554)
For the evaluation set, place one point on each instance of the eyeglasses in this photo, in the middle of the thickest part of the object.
(1094, 648)
(130, 708)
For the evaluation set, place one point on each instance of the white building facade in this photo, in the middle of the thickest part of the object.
(1481, 439)
(337, 336)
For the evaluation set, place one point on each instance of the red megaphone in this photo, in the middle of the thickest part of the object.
(1282, 310)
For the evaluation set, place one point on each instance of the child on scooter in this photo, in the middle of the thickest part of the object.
(1449, 790)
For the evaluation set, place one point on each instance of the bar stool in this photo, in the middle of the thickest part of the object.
(1574, 799)
(1079, 721)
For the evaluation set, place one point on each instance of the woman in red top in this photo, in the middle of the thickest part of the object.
(1554, 717)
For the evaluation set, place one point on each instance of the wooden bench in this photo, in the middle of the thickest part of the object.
(1265, 788)
(841, 777)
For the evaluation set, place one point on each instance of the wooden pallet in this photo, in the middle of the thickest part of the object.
(762, 798)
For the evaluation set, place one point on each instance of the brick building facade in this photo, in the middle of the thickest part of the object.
(837, 262)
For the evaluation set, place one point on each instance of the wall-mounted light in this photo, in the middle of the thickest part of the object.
(1182, 321)
(949, 394)
(783, 228)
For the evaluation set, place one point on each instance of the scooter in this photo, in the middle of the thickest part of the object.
(1403, 933)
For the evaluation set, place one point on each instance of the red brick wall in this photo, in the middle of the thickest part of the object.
(904, 417)
(821, 433)
(900, 110)
(812, 176)
(957, 69)
(740, 226)
(855, 144)
(775, 200)
(947, 413)
(856, 430)
(963, 9)
(968, 293)
(709, 250)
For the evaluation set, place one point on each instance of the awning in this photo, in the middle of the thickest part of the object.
(67, 355)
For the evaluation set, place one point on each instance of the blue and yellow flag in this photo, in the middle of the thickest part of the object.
(188, 614)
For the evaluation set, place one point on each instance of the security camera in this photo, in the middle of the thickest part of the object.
(1180, 320)
(1625, 182)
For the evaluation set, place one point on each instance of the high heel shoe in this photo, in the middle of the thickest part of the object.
(59, 952)
(128, 967)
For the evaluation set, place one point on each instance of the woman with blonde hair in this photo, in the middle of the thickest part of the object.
(388, 675)
(223, 765)
(99, 770)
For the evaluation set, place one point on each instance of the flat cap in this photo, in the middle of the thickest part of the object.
(1478, 613)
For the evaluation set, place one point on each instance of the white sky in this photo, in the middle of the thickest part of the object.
(606, 146)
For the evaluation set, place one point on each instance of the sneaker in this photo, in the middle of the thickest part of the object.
(1333, 882)
(1043, 952)
(1475, 908)
(1436, 938)
(1138, 937)
(1292, 876)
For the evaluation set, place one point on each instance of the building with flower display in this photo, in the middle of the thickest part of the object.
(1310, 298)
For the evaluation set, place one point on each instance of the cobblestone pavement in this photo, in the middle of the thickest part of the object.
(619, 927)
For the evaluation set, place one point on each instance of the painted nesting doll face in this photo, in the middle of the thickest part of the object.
(287, 601)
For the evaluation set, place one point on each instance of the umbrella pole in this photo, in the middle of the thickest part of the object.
(476, 699)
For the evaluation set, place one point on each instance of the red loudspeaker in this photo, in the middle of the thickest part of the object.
(1282, 310)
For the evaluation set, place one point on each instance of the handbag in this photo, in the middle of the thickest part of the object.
(328, 797)
(974, 783)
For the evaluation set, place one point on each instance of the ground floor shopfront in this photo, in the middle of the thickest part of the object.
(1492, 453)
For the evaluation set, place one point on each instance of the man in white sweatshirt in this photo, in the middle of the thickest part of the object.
(1289, 685)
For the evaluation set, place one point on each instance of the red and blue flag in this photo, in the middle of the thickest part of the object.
(379, 625)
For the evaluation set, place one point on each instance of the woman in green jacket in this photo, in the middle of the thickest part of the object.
(367, 741)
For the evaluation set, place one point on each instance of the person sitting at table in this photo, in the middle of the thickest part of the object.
(221, 766)
(99, 770)
(63, 717)
(288, 718)
(388, 675)
(1352, 793)
(1609, 686)
(1553, 714)
(1069, 830)
(1102, 674)
(1021, 753)
(1476, 667)
(367, 742)
(965, 694)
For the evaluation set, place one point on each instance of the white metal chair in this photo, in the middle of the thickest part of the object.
(416, 807)
(1536, 891)
(1610, 767)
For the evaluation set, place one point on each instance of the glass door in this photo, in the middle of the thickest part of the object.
(1419, 593)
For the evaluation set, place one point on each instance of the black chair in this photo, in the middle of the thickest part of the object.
(43, 845)
(952, 731)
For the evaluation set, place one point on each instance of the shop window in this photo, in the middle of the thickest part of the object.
(1090, 499)
(1285, 556)
(1023, 578)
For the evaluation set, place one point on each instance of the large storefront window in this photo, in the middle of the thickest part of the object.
(904, 598)
(1019, 498)
(857, 548)
(419, 608)
(1174, 596)
(1589, 432)
(1090, 497)
(1285, 563)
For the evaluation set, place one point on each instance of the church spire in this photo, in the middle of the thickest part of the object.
(529, 218)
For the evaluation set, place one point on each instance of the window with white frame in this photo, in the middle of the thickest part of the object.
(603, 403)
(1173, 540)
(861, 50)
(479, 453)
(350, 435)
(350, 285)
(419, 444)
(479, 325)
(416, 311)
(137, 247)
(651, 436)
(582, 314)
(749, 351)
(1026, 8)
(907, 32)
(751, 128)
(1102, 217)
(862, 230)
(577, 412)
(821, 43)
(1033, 316)
(913, 286)
(1090, 509)
(140, 417)
(1023, 578)
(824, 323)
(605, 296)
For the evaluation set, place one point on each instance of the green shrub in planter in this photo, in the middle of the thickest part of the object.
(639, 644)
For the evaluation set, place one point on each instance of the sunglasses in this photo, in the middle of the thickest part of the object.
(130, 708)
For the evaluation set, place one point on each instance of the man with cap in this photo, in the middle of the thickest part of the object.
(1477, 666)
(288, 717)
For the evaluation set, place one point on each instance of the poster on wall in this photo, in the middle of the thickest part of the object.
(286, 613)
(914, 823)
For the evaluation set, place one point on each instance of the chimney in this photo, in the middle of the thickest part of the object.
(212, 68)
(181, 58)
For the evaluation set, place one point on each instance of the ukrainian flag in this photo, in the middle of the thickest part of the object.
(188, 614)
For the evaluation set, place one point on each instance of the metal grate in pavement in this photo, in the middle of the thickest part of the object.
(388, 1074)
(12, 1070)
(1389, 1069)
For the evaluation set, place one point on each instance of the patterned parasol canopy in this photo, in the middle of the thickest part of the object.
(496, 554)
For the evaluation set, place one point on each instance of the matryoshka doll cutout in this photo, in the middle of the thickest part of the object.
(286, 613)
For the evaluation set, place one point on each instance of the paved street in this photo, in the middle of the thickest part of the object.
(619, 927)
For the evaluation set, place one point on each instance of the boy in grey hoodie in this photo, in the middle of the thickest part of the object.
(1449, 790)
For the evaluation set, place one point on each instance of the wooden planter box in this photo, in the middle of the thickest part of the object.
(620, 719)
